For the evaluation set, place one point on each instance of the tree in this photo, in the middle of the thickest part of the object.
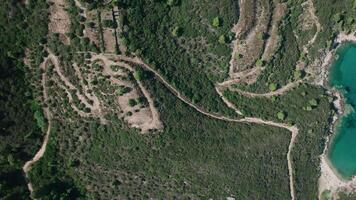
(238, 56)
(115, 68)
(313, 102)
(123, 90)
(172, 2)
(217, 22)
(309, 108)
(139, 74)
(272, 87)
(261, 36)
(259, 63)
(297, 74)
(337, 17)
(132, 102)
(222, 39)
(281, 115)
(109, 24)
(177, 31)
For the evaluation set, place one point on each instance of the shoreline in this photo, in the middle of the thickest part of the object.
(330, 179)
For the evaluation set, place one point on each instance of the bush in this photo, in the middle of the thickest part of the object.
(272, 87)
(132, 102)
(281, 115)
(177, 31)
(222, 39)
(217, 21)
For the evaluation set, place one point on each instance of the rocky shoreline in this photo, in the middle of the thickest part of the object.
(330, 181)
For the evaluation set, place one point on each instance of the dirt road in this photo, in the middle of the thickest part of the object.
(27, 167)
(292, 129)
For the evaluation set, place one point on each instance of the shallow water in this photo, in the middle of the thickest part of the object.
(342, 153)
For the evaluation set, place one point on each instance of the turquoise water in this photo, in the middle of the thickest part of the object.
(342, 153)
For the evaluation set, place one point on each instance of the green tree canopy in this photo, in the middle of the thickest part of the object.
(177, 31)
(281, 115)
(222, 39)
(272, 87)
(313, 102)
(132, 102)
(172, 2)
(217, 22)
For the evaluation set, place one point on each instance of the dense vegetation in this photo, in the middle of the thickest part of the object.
(299, 107)
(186, 42)
(49, 176)
(334, 17)
(194, 156)
(280, 69)
(20, 116)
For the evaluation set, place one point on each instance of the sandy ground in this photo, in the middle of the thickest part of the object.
(329, 179)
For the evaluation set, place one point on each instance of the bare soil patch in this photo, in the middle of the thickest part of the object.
(59, 19)
(273, 41)
(249, 43)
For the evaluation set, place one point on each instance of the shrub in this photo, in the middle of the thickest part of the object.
(217, 22)
(313, 102)
(172, 2)
(272, 87)
(222, 39)
(259, 63)
(177, 31)
(281, 115)
(132, 102)
(298, 74)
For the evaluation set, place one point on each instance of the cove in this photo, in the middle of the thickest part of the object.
(342, 152)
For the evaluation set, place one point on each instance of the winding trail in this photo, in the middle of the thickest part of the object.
(155, 122)
(312, 11)
(138, 61)
(28, 165)
(280, 91)
(293, 129)
(114, 59)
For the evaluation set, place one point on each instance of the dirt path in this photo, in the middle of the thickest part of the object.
(79, 5)
(155, 122)
(219, 90)
(280, 91)
(108, 58)
(28, 165)
(95, 107)
(243, 76)
(312, 11)
(292, 129)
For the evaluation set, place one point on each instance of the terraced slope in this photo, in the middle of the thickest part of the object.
(146, 102)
